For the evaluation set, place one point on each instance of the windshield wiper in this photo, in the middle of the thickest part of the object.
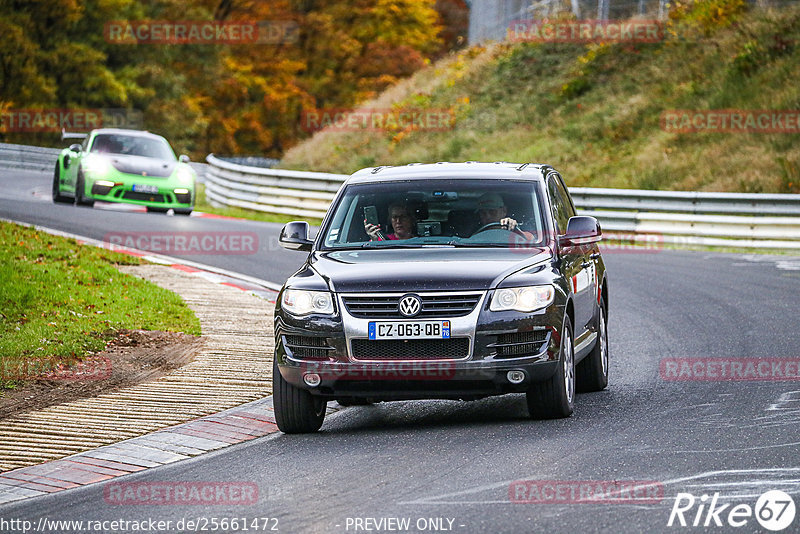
(375, 245)
(477, 245)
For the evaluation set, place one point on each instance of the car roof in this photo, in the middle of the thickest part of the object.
(123, 131)
(500, 170)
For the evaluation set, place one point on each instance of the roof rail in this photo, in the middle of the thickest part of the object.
(379, 168)
(522, 167)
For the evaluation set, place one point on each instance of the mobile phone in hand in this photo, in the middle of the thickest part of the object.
(371, 217)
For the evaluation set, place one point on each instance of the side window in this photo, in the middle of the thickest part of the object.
(559, 205)
(564, 195)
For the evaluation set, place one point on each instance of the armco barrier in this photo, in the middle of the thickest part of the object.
(35, 158)
(769, 221)
(32, 158)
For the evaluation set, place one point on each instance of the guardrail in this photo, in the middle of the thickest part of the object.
(770, 221)
(32, 158)
(36, 158)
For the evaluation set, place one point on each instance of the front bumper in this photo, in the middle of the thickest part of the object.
(122, 191)
(323, 346)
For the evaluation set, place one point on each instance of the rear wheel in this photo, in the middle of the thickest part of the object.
(57, 196)
(555, 398)
(592, 372)
(80, 188)
(296, 410)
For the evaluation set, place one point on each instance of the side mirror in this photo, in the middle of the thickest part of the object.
(581, 230)
(76, 147)
(294, 236)
(183, 158)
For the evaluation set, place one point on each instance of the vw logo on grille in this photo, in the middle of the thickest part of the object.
(410, 305)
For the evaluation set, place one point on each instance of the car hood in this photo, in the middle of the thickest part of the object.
(142, 166)
(428, 269)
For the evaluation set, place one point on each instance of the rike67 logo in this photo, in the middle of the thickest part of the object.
(774, 510)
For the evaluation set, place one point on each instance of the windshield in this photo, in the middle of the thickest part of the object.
(131, 145)
(437, 212)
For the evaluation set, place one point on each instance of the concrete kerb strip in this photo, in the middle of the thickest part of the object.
(122, 432)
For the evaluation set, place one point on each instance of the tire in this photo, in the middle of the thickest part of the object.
(57, 196)
(153, 209)
(79, 189)
(182, 212)
(555, 397)
(353, 401)
(592, 373)
(296, 410)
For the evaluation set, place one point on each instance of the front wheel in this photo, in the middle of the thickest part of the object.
(80, 189)
(555, 398)
(296, 410)
(57, 196)
(592, 372)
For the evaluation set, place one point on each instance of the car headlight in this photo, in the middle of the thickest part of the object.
(524, 299)
(185, 175)
(95, 165)
(301, 302)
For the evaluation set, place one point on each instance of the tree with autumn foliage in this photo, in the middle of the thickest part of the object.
(244, 98)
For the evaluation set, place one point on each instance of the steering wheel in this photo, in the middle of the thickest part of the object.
(491, 226)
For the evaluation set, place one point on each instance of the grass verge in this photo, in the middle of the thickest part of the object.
(61, 301)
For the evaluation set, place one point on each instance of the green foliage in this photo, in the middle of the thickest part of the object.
(707, 15)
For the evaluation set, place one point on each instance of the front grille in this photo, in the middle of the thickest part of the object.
(136, 195)
(411, 349)
(307, 347)
(520, 343)
(385, 307)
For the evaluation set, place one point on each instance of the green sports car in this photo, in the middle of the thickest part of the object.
(128, 166)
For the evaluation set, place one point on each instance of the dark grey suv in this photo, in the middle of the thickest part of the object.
(448, 280)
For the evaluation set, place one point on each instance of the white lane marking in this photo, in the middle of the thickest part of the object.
(761, 474)
(784, 263)
(785, 400)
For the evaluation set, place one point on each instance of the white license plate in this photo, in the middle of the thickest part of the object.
(143, 188)
(409, 330)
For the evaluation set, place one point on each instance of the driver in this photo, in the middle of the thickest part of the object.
(492, 211)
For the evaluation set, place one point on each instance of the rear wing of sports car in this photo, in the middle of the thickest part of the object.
(72, 135)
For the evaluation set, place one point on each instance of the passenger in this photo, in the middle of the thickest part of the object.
(402, 220)
(492, 212)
